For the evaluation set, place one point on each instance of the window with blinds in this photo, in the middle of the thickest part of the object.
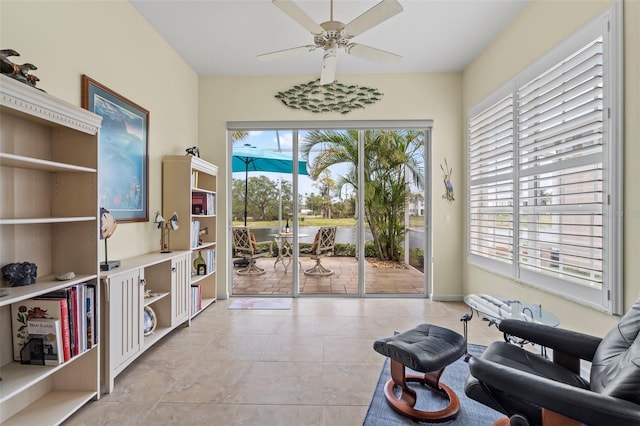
(490, 135)
(545, 163)
(560, 125)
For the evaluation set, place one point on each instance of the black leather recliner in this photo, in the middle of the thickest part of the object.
(522, 384)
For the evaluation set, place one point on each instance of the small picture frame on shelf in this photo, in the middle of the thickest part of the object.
(201, 270)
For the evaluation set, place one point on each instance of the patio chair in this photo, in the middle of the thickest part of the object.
(323, 244)
(244, 243)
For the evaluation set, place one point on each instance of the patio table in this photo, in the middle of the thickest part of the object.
(284, 241)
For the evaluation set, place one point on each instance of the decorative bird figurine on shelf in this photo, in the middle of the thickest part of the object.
(6, 65)
(193, 151)
(21, 73)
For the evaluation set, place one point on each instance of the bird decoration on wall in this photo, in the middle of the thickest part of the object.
(448, 187)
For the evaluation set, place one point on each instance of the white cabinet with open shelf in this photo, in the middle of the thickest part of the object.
(48, 216)
(164, 279)
(189, 186)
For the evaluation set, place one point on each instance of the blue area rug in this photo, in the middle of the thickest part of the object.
(471, 413)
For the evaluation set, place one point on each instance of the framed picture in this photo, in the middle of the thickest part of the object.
(123, 166)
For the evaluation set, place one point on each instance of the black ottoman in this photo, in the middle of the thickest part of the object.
(428, 349)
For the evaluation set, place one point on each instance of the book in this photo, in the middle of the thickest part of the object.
(91, 318)
(45, 342)
(69, 323)
(30, 309)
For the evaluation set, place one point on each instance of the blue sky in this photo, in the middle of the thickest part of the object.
(269, 140)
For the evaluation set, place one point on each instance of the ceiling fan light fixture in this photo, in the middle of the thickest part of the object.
(331, 35)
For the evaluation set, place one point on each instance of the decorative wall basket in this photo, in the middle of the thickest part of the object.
(334, 97)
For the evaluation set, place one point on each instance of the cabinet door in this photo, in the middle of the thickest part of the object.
(126, 316)
(180, 289)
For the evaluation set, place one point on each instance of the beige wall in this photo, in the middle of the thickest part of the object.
(425, 96)
(111, 43)
(542, 25)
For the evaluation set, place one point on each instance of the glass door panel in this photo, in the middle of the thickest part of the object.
(262, 194)
(393, 187)
(326, 213)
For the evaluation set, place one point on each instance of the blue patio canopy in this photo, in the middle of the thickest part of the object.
(251, 159)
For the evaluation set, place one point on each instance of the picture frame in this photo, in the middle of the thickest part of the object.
(123, 146)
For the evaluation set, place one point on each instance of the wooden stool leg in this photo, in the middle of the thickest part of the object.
(406, 403)
(398, 376)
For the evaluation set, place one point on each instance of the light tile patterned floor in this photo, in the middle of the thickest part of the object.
(311, 365)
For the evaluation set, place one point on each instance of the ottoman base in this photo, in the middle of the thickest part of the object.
(405, 403)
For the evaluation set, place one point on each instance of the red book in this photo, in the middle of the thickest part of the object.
(64, 323)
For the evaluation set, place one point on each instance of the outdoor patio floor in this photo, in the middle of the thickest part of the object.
(344, 279)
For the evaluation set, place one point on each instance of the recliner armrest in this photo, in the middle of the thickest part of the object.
(581, 404)
(569, 342)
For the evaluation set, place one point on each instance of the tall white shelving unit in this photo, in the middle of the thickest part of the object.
(48, 216)
(184, 179)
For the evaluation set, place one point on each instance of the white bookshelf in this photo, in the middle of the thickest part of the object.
(48, 216)
(182, 177)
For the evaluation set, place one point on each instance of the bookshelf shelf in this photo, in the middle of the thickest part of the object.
(199, 207)
(53, 408)
(154, 298)
(48, 169)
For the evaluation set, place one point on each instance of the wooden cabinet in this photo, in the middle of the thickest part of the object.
(48, 216)
(143, 300)
(189, 186)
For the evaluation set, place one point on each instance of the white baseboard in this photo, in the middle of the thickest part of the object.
(446, 297)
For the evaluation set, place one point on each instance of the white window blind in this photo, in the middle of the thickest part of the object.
(560, 126)
(545, 170)
(490, 135)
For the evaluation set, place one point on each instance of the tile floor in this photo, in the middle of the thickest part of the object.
(311, 365)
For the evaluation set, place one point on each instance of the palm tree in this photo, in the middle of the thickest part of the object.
(237, 135)
(391, 159)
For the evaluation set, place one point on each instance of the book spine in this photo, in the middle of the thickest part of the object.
(90, 315)
(64, 325)
(74, 325)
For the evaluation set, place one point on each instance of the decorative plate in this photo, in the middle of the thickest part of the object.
(150, 320)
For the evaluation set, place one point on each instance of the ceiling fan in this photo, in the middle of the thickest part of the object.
(332, 35)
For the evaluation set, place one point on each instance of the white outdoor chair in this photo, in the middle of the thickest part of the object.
(323, 245)
(246, 246)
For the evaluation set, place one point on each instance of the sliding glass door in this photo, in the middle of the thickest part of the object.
(350, 217)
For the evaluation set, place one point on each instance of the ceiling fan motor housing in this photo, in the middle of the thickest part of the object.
(333, 32)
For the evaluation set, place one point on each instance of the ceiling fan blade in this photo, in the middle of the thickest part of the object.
(372, 17)
(298, 15)
(329, 63)
(371, 53)
(287, 52)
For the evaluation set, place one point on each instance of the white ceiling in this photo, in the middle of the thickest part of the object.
(223, 37)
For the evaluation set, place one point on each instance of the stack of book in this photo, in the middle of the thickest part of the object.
(195, 234)
(203, 203)
(196, 298)
(210, 260)
(53, 328)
